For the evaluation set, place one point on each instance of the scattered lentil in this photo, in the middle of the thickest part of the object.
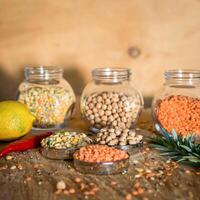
(66, 192)
(77, 180)
(72, 190)
(19, 166)
(113, 183)
(128, 197)
(28, 178)
(4, 167)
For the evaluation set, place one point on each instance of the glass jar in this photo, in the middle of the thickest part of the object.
(177, 105)
(110, 100)
(48, 96)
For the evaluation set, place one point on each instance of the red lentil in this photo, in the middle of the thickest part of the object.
(128, 197)
(181, 113)
(100, 153)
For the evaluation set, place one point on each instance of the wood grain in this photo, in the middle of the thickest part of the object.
(38, 177)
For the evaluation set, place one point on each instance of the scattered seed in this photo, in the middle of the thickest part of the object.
(135, 161)
(137, 176)
(77, 180)
(13, 167)
(58, 191)
(140, 190)
(19, 166)
(28, 178)
(139, 169)
(128, 197)
(4, 167)
(61, 185)
(40, 183)
(66, 192)
(135, 193)
(82, 186)
(136, 185)
(9, 157)
(113, 183)
(72, 191)
(187, 171)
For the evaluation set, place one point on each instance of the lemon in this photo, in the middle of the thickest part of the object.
(15, 120)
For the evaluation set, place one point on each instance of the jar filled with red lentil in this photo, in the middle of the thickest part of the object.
(48, 96)
(177, 105)
(111, 100)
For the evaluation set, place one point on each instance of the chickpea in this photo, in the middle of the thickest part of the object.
(111, 109)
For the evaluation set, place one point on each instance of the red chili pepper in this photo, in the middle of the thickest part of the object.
(30, 142)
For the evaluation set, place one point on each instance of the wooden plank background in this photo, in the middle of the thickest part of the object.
(148, 36)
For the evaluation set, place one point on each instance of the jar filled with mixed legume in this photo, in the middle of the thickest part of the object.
(48, 96)
(110, 99)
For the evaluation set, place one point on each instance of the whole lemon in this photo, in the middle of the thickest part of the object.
(15, 120)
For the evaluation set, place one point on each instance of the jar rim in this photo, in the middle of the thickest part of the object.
(44, 72)
(111, 73)
(182, 74)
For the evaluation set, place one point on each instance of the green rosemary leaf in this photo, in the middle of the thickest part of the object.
(158, 146)
(175, 137)
(195, 160)
(177, 157)
(181, 160)
(197, 155)
(182, 150)
(169, 154)
(186, 148)
(165, 134)
(188, 158)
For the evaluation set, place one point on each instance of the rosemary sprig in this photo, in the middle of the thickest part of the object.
(182, 150)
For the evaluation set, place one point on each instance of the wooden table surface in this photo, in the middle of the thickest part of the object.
(30, 176)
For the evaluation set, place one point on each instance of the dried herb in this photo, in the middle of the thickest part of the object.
(183, 150)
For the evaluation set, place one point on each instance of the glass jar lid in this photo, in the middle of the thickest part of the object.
(43, 72)
(111, 74)
(182, 78)
(182, 74)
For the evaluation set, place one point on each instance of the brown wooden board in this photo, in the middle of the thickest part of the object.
(30, 176)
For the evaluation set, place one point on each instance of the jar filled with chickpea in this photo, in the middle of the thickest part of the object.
(111, 100)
